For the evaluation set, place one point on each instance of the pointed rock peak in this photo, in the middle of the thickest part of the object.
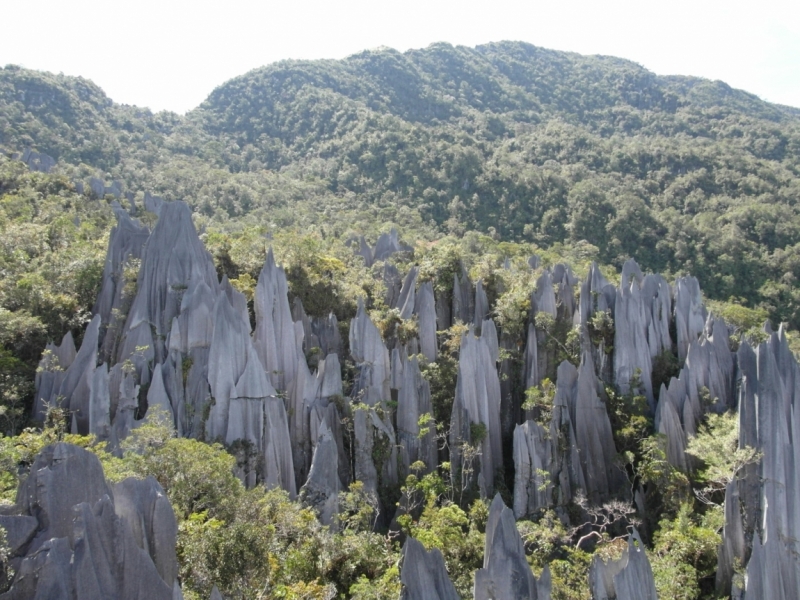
(215, 595)
(630, 273)
(423, 574)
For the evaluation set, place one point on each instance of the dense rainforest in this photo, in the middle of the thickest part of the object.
(480, 158)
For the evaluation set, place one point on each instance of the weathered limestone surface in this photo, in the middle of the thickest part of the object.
(425, 309)
(423, 574)
(371, 357)
(628, 578)
(274, 336)
(631, 348)
(533, 468)
(601, 475)
(414, 400)
(77, 379)
(91, 543)
(733, 547)
(125, 244)
(50, 374)
(506, 574)
(690, 314)
(173, 259)
(463, 298)
(144, 506)
(407, 299)
(321, 489)
(478, 397)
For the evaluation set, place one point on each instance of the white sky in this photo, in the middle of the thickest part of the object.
(170, 55)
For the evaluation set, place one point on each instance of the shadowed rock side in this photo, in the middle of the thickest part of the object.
(321, 489)
(506, 574)
(477, 403)
(91, 543)
(576, 453)
(769, 416)
(423, 574)
(630, 577)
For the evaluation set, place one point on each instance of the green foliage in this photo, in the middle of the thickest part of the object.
(684, 556)
(629, 416)
(539, 399)
(716, 447)
(457, 535)
(665, 366)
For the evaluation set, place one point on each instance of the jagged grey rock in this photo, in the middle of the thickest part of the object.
(478, 397)
(690, 314)
(423, 574)
(425, 308)
(463, 299)
(77, 379)
(19, 529)
(506, 574)
(657, 297)
(55, 361)
(274, 336)
(388, 244)
(371, 357)
(594, 437)
(533, 466)
(100, 404)
(631, 350)
(667, 422)
(91, 544)
(628, 578)
(413, 401)
(732, 549)
(407, 299)
(481, 303)
(321, 489)
(62, 476)
(174, 259)
(143, 505)
(125, 245)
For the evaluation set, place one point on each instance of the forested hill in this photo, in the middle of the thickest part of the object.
(524, 143)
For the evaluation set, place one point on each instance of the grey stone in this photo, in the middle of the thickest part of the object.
(733, 548)
(463, 299)
(274, 336)
(690, 314)
(631, 349)
(143, 505)
(533, 466)
(423, 574)
(62, 476)
(19, 529)
(506, 574)
(478, 397)
(321, 489)
(407, 299)
(425, 309)
(628, 578)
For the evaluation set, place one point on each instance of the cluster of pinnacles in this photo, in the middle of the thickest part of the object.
(168, 336)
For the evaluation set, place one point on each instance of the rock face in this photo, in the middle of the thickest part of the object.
(477, 407)
(630, 577)
(414, 400)
(506, 574)
(423, 574)
(632, 356)
(533, 468)
(386, 245)
(321, 489)
(768, 414)
(89, 542)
